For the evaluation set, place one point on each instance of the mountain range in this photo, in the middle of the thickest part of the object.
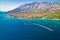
(42, 7)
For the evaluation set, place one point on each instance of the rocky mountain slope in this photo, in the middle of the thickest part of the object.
(42, 7)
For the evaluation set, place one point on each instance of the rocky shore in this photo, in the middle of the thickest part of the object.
(28, 15)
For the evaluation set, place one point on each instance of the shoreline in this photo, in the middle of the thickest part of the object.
(36, 18)
(31, 16)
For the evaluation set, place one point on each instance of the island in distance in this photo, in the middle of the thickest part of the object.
(37, 10)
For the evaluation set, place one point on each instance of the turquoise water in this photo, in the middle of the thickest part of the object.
(21, 29)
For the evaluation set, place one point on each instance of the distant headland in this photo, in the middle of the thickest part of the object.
(36, 10)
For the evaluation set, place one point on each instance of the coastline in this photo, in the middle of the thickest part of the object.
(36, 18)
(32, 18)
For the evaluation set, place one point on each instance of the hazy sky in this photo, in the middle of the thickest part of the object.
(6, 5)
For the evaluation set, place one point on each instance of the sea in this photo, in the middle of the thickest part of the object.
(24, 29)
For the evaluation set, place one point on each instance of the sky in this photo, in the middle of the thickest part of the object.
(6, 5)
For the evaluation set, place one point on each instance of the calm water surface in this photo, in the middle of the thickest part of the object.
(21, 29)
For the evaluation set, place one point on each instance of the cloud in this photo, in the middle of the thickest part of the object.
(6, 6)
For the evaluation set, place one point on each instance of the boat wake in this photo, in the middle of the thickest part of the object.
(40, 26)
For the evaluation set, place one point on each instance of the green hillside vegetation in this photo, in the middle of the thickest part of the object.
(45, 14)
(35, 11)
(38, 11)
(54, 15)
(51, 15)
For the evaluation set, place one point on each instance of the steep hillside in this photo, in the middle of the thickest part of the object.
(42, 7)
